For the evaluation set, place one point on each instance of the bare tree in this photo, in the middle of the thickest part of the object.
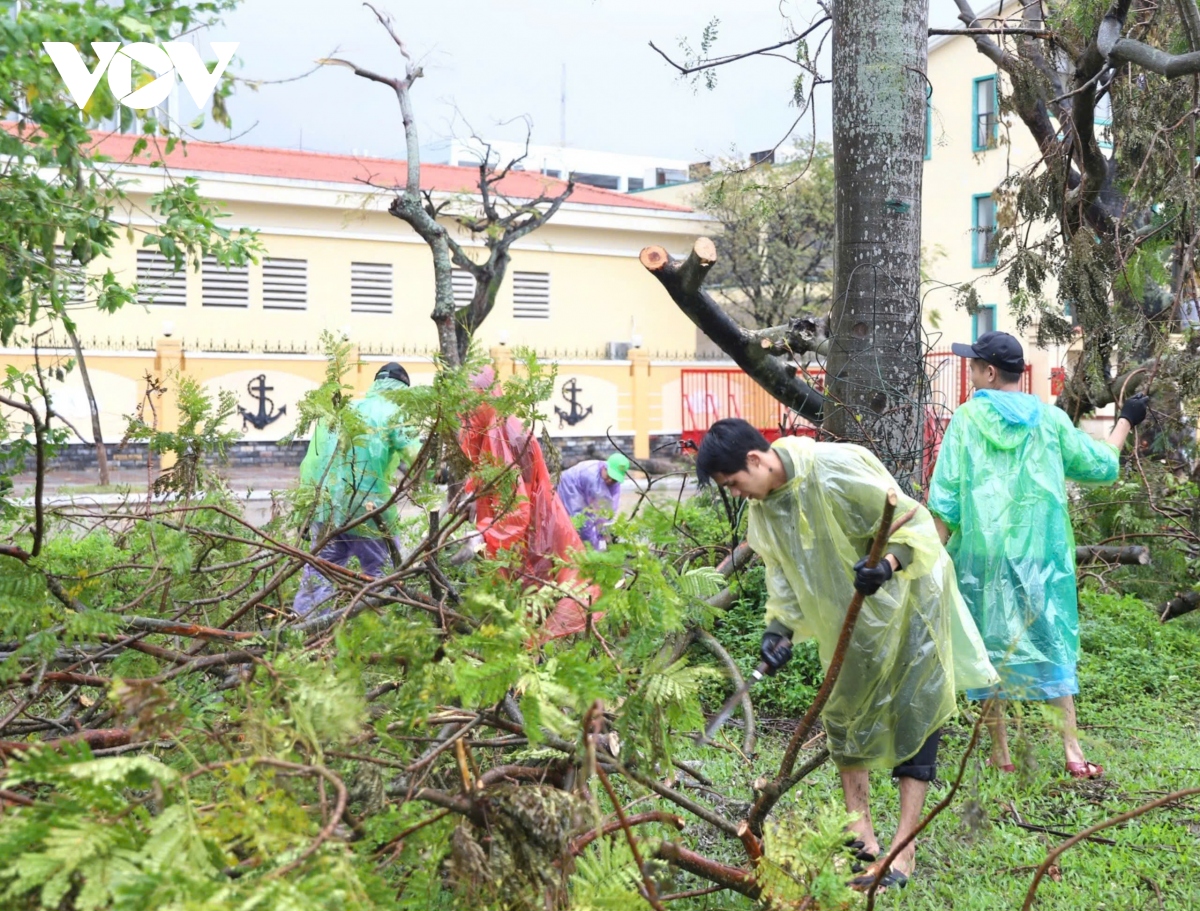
(497, 219)
(76, 277)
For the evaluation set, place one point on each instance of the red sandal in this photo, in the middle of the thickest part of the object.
(1085, 770)
(1007, 767)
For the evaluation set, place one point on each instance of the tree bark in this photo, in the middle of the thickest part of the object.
(683, 281)
(408, 205)
(875, 369)
(97, 437)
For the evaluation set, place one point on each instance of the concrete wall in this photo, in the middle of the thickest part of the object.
(636, 401)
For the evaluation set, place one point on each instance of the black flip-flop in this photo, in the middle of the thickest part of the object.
(860, 854)
(893, 878)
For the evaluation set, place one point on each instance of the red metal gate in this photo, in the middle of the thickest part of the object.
(707, 396)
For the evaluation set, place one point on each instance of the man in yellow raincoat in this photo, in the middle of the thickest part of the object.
(814, 509)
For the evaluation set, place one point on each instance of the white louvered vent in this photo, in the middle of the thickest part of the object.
(370, 287)
(464, 286)
(72, 275)
(224, 287)
(285, 284)
(531, 295)
(159, 282)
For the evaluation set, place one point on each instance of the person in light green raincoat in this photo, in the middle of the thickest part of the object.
(1000, 497)
(814, 510)
(352, 481)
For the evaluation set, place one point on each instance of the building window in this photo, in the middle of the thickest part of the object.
(285, 284)
(71, 277)
(984, 320)
(159, 282)
(224, 287)
(664, 176)
(765, 157)
(463, 283)
(552, 172)
(983, 231)
(531, 295)
(928, 127)
(636, 183)
(984, 107)
(370, 287)
(604, 181)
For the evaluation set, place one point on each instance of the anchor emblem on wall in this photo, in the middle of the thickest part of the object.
(570, 392)
(267, 414)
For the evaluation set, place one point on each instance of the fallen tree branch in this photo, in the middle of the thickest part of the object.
(683, 282)
(1092, 830)
(637, 819)
(733, 878)
(1183, 603)
(749, 735)
(102, 738)
(650, 890)
(1133, 555)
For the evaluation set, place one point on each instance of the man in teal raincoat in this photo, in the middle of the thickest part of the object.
(814, 508)
(1000, 498)
(353, 478)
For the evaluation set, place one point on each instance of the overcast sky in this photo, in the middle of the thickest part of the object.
(492, 61)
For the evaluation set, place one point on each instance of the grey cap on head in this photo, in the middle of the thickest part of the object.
(999, 349)
(393, 371)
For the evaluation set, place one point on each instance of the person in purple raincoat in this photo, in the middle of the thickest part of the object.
(593, 488)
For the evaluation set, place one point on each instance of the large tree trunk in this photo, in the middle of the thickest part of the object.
(875, 368)
(97, 437)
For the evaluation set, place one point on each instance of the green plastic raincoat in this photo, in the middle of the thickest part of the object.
(914, 643)
(357, 479)
(1000, 487)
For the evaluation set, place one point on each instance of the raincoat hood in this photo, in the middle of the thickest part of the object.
(385, 384)
(1006, 419)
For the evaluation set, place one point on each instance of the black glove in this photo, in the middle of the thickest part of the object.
(1135, 408)
(776, 651)
(869, 580)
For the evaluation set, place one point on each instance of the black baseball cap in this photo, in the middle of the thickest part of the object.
(999, 349)
(393, 371)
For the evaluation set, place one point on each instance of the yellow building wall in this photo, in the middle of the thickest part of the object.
(599, 292)
(954, 175)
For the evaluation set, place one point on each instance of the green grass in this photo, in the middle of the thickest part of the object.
(1139, 714)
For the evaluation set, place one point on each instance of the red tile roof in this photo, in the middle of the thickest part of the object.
(259, 161)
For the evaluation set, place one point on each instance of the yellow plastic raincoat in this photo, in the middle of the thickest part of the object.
(914, 644)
